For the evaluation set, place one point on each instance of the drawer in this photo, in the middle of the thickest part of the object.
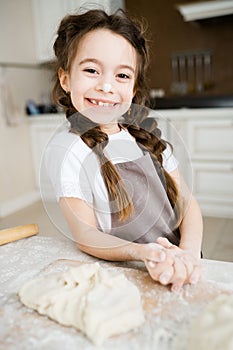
(211, 139)
(213, 188)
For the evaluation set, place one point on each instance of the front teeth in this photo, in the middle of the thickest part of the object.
(103, 104)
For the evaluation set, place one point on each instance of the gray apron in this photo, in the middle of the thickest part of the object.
(153, 214)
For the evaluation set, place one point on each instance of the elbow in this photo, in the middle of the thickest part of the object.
(85, 249)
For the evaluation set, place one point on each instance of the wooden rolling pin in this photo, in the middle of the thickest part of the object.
(15, 233)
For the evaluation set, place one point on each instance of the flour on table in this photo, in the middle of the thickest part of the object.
(212, 329)
(98, 301)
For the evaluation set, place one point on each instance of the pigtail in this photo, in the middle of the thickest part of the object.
(119, 198)
(148, 136)
(97, 140)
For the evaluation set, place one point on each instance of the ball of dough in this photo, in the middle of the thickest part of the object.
(99, 302)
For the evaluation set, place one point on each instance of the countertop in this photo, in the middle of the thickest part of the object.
(184, 113)
(192, 101)
(20, 329)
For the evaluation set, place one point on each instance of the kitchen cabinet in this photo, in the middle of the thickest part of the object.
(47, 16)
(213, 187)
(211, 139)
(211, 147)
(30, 26)
(42, 128)
(203, 144)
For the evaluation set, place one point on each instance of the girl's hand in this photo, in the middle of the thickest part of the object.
(186, 266)
(156, 260)
(179, 268)
(151, 252)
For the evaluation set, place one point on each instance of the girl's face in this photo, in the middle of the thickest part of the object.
(102, 57)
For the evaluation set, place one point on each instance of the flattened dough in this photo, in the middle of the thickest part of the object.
(213, 327)
(97, 301)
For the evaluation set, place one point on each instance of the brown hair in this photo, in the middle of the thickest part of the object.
(145, 130)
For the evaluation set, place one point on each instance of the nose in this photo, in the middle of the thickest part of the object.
(106, 87)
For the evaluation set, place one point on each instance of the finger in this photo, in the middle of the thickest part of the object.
(166, 277)
(164, 242)
(157, 269)
(196, 274)
(154, 252)
(189, 267)
(150, 265)
(180, 275)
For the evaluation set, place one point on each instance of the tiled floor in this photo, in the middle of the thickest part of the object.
(217, 242)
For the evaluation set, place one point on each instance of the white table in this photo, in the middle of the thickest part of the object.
(24, 259)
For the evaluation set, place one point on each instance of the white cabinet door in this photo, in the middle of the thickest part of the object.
(210, 143)
(213, 187)
(47, 16)
(211, 139)
(41, 131)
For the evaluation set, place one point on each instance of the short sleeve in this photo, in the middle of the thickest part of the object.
(66, 173)
(170, 163)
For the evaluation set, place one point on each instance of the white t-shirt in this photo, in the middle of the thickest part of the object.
(74, 169)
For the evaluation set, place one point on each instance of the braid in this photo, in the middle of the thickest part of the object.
(148, 136)
(97, 140)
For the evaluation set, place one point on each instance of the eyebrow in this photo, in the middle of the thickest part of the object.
(94, 60)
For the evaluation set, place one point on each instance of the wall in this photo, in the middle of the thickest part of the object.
(168, 33)
(17, 184)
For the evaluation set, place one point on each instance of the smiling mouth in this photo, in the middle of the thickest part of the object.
(101, 103)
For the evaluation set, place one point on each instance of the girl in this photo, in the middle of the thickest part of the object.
(118, 188)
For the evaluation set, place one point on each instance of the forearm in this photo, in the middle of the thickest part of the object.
(81, 220)
(191, 229)
(89, 239)
(107, 247)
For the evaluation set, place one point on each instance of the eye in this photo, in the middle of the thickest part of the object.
(91, 70)
(123, 76)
